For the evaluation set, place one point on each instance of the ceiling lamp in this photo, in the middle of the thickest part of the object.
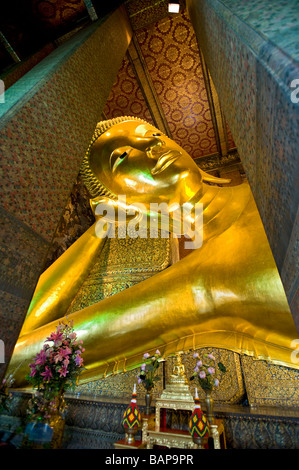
(174, 7)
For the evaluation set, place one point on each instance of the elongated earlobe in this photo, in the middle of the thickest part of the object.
(213, 179)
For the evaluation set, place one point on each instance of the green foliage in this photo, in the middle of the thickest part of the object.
(148, 370)
(205, 371)
(221, 367)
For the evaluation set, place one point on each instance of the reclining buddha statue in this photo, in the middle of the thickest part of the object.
(225, 293)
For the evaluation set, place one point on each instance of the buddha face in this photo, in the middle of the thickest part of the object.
(134, 159)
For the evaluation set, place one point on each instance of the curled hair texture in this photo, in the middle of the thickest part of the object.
(94, 186)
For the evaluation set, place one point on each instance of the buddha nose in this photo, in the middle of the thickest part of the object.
(154, 150)
(147, 144)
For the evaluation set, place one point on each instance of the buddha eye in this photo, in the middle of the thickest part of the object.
(157, 134)
(117, 156)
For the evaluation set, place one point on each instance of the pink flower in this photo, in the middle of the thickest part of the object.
(72, 335)
(66, 362)
(56, 337)
(41, 358)
(143, 366)
(211, 370)
(199, 363)
(211, 356)
(63, 371)
(58, 357)
(66, 351)
(202, 374)
(33, 370)
(195, 355)
(146, 355)
(78, 360)
(196, 369)
(63, 353)
(47, 374)
(158, 352)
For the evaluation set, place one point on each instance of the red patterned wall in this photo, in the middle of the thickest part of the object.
(57, 13)
(126, 98)
(171, 54)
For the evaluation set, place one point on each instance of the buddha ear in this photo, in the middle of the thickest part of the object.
(213, 179)
(99, 200)
(117, 210)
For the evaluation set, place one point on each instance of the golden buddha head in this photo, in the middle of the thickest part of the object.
(128, 156)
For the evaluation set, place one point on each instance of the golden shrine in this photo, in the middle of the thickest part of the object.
(175, 396)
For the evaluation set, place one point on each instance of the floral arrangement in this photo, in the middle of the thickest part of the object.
(44, 405)
(5, 396)
(147, 375)
(54, 370)
(205, 371)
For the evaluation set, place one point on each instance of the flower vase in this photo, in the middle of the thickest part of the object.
(57, 422)
(148, 401)
(38, 434)
(210, 407)
(48, 432)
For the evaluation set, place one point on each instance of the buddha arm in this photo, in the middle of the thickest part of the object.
(58, 285)
(226, 294)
